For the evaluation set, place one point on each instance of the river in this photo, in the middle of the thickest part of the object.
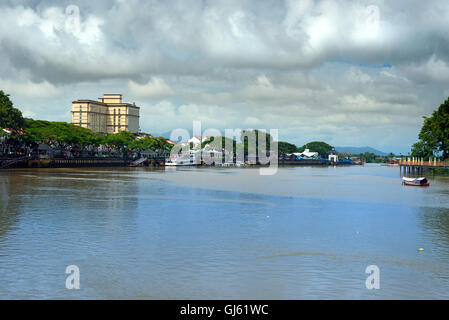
(230, 233)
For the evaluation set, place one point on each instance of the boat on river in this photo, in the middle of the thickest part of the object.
(415, 182)
(185, 159)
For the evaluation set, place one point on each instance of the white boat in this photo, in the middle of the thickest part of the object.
(182, 160)
(415, 182)
(179, 162)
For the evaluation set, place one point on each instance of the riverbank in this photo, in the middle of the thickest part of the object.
(61, 163)
(26, 162)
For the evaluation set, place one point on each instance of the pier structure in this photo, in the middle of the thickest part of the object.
(314, 162)
(29, 162)
(417, 166)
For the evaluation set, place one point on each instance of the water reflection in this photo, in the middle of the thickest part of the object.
(9, 207)
(435, 223)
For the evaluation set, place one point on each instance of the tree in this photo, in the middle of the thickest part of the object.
(159, 144)
(147, 143)
(369, 157)
(434, 134)
(10, 117)
(422, 150)
(162, 145)
(99, 138)
(122, 140)
(322, 148)
(250, 140)
(59, 135)
(286, 147)
(219, 143)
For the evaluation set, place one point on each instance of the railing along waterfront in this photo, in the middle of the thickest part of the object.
(417, 166)
(420, 162)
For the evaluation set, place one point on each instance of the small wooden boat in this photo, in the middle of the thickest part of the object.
(415, 182)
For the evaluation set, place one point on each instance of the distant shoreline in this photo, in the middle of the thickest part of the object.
(118, 162)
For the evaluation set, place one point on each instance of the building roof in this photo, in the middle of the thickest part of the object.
(106, 104)
(307, 153)
(90, 101)
(123, 104)
(13, 131)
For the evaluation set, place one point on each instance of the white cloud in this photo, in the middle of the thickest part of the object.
(27, 88)
(264, 92)
(434, 69)
(56, 22)
(155, 88)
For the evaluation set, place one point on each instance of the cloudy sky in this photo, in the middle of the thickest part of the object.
(352, 73)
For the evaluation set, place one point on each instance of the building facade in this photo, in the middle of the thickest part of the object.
(109, 114)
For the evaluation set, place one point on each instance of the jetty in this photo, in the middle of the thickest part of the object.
(33, 162)
(417, 166)
(315, 162)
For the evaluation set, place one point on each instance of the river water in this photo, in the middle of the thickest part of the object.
(207, 233)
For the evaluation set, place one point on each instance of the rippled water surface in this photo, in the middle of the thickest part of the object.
(204, 233)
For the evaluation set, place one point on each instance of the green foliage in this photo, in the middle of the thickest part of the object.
(285, 147)
(434, 134)
(57, 134)
(62, 135)
(10, 117)
(162, 145)
(99, 138)
(219, 143)
(421, 149)
(369, 157)
(250, 141)
(322, 148)
(209, 141)
(144, 144)
(121, 140)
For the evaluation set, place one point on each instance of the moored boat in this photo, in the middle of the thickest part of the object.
(415, 182)
(186, 159)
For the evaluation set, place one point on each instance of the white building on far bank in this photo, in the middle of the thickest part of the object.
(197, 140)
(307, 154)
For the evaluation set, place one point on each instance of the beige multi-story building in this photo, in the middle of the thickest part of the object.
(109, 114)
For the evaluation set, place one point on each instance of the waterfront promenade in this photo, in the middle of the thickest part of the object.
(29, 162)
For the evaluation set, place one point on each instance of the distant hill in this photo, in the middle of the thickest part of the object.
(359, 150)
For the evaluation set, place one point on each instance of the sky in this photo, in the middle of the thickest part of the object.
(351, 73)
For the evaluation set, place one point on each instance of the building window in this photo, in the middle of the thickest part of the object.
(119, 119)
